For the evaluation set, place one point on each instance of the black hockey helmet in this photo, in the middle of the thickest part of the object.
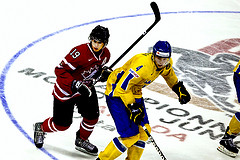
(100, 34)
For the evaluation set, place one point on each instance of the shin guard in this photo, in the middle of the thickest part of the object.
(86, 128)
(113, 150)
(135, 152)
(49, 126)
(234, 125)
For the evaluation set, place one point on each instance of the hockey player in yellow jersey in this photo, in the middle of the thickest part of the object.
(125, 102)
(226, 144)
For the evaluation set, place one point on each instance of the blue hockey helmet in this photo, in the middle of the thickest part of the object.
(162, 49)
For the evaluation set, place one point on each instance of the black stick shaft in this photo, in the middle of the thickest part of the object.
(154, 144)
(157, 19)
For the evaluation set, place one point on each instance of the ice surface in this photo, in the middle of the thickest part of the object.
(38, 34)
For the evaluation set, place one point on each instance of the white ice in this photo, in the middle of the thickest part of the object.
(26, 100)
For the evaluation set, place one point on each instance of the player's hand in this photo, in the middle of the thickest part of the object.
(136, 112)
(106, 71)
(183, 95)
(79, 86)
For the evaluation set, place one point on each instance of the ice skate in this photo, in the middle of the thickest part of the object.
(86, 147)
(227, 146)
(39, 135)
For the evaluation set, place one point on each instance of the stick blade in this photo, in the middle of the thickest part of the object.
(156, 11)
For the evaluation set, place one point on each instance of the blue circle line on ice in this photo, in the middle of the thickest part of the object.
(14, 58)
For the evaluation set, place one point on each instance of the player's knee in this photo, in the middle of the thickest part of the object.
(129, 141)
(91, 116)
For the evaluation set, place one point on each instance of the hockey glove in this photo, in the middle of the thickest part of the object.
(80, 87)
(106, 71)
(183, 95)
(136, 112)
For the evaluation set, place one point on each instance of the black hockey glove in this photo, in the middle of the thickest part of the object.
(106, 71)
(183, 95)
(79, 86)
(136, 112)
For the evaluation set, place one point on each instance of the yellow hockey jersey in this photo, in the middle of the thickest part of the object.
(127, 81)
(237, 68)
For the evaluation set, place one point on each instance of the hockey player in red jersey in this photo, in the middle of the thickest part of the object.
(75, 75)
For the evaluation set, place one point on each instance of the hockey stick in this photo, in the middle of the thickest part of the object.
(157, 19)
(156, 12)
(154, 144)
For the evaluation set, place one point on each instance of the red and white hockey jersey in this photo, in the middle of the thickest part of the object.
(80, 63)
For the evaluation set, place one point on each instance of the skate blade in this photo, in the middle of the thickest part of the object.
(83, 150)
(227, 152)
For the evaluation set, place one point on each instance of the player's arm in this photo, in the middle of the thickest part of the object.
(124, 87)
(131, 78)
(63, 71)
(169, 75)
(177, 86)
(125, 84)
(103, 71)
